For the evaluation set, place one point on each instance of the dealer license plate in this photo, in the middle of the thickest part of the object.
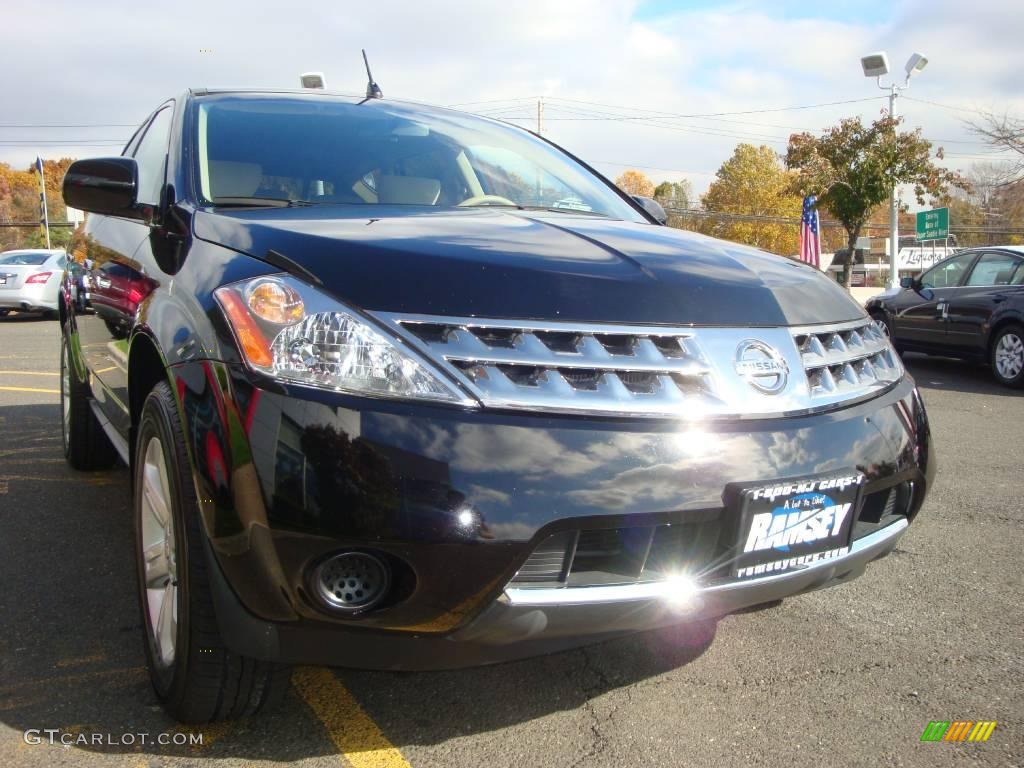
(786, 525)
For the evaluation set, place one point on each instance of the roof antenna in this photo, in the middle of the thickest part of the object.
(373, 90)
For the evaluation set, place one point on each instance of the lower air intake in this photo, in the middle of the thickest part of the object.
(351, 582)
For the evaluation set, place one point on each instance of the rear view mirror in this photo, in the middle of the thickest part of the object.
(653, 207)
(106, 185)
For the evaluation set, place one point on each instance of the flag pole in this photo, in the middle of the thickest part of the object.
(44, 219)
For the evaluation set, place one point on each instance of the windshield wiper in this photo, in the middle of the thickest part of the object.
(260, 202)
(556, 209)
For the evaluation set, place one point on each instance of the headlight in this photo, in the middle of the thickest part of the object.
(293, 332)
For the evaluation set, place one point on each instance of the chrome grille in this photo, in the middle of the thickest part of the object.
(552, 367)
(688, 373)
(847, 359)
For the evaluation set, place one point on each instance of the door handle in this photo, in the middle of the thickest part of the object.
(998, 298)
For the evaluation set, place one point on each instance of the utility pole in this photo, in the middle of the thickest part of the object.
(540, 116)
(894, 205)
(44, 218)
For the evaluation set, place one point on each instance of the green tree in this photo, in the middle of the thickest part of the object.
(852, 168)
(753, 182)
(674, 194)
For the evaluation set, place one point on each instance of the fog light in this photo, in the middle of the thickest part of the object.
(352, 582)
(681, 593)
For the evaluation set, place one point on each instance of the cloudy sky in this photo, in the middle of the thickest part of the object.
(626, 83)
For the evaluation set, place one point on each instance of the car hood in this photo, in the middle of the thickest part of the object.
(533, 265)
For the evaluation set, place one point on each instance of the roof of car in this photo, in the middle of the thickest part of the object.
(315, 93)
(53, 251)
(1018, 249)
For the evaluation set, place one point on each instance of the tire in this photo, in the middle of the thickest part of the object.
(86, 445)
(115, 329)
(195, 677)
(1006, 356)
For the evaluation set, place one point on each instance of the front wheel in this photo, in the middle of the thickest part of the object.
(195, 677)
(1007, 356)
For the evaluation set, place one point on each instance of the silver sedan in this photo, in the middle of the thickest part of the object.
(30, 280)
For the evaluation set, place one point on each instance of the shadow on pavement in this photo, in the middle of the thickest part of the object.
(25, 317)
(71, 651)
(953, 375)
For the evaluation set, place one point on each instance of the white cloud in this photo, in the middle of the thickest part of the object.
(114, 63)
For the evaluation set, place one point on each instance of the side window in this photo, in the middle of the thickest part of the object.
(151, 155)
(993, 269)
(948, 273)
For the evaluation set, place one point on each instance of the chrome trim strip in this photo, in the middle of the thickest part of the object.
(801, 330)
(862, 550)
(119, 443)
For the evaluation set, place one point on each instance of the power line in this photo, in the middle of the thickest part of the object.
(659, 113)
(492, 101)
(593, 115)
(944, 106)
(650, 167)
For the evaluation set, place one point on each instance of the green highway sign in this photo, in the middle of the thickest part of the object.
(933, 224)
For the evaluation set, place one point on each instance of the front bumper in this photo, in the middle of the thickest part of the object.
(289, 475)
(522, 625)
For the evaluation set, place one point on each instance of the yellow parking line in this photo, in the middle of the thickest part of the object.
(30, 389)
(105, 370)
(355, 735)
(29, 373)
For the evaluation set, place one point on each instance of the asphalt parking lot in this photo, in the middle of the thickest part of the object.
(847, 677)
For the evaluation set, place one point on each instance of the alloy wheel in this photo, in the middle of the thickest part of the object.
(159, 562)
(1009, 357)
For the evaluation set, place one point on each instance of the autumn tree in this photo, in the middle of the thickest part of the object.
(19, 202)
(635, 183)
(753, 182)
(853, 167)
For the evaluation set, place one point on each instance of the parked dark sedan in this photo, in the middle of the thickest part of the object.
(405, 388)
(970, 305)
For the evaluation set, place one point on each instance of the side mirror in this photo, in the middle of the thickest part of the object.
(106, 185)
(653, 207)
(908, 282)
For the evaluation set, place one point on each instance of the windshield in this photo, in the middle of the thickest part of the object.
(24, 259)
(321, 150)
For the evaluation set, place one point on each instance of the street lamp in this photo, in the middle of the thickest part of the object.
(877, 65)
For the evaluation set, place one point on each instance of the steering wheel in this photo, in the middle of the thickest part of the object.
(487, 200)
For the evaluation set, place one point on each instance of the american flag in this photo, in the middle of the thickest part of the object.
(810, 241)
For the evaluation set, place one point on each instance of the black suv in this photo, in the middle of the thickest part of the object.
(405, 388)
(970, 305)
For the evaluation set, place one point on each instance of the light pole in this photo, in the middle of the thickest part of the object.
(877, 65)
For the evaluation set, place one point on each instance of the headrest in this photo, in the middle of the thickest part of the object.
(407, 190)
